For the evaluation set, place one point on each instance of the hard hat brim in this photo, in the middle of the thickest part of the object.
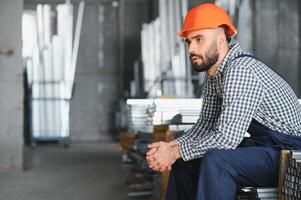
(231, 30)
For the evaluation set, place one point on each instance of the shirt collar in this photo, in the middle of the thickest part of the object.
(234, 51)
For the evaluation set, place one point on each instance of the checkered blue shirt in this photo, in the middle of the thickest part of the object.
(243, 88)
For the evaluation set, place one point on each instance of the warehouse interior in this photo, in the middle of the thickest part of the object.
(85, 84)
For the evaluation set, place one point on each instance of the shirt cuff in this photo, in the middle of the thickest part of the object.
(185, 150)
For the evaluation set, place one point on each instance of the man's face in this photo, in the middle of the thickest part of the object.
(203, 50)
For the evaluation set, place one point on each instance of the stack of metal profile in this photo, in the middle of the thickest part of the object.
(165, 63)
(138, 114)
(163, 111)
(51, 54)
(292, 182)
(140, 183)
(251, 193)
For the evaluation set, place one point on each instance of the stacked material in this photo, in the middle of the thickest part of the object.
(138, 114)
(250, 193)
(140, 181)
(163, 111)
(292, 182)
(50, 66)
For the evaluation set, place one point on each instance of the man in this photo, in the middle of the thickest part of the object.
(241, 94)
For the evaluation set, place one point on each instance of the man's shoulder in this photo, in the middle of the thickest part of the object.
(240, 65)
(244, 63)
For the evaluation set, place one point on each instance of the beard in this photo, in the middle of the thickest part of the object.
(210, 58)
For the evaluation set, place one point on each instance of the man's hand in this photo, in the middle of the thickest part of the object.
(162, 155)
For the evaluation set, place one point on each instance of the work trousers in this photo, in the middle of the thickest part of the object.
(220, 172)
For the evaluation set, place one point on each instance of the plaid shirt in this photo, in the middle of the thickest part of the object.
(243, 88)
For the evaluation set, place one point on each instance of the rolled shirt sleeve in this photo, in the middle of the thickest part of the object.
(209, 113)
(242, 95)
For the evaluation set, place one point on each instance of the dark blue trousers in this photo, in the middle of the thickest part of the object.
(220, 172)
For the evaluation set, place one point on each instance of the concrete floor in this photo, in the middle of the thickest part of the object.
(81, 172)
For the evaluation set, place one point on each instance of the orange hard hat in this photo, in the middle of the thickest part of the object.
(206, 16)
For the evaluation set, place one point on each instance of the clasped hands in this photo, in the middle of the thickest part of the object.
(162, 155)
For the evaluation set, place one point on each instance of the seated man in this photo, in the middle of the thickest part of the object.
(241, 94)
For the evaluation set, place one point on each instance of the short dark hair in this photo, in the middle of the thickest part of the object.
(228, 37)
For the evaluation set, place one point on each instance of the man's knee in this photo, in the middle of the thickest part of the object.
(215, 157)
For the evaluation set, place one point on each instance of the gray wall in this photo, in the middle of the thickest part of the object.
(94, 103)
(277, 38)
(133, 13)
(193, 3)
(109, 46)
(271, 29)
(11, 86)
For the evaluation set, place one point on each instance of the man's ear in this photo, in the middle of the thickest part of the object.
(221, 39)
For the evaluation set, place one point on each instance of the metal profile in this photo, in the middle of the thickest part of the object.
(51, 70)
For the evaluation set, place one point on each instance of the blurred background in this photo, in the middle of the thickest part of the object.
(85, 85)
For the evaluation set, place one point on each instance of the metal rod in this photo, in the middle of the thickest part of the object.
(76, 44)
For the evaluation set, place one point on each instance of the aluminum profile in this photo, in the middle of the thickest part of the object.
(292, 181)
(137, 114)
(164, 110)
(51, 70)
(252, 193)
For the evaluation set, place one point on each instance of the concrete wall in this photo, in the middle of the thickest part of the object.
(133, 13)
(288, 59)
(93, 106)
(276, 37)
(109, 46)
(245, 26)
(271, 30)
(193, 3)
(11, 86)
